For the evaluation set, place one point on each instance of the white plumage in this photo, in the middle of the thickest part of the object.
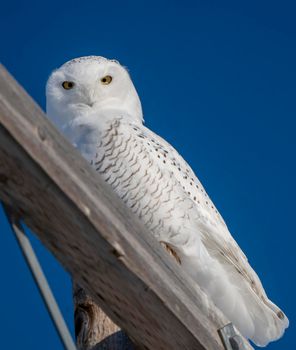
(92, 101)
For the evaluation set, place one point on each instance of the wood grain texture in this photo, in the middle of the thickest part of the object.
(94, 330)
(94, 236)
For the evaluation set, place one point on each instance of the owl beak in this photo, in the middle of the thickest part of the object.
(91, 97)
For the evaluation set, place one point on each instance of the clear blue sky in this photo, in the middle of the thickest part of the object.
(218, 80)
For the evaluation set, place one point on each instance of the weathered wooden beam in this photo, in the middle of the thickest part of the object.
(94, 236)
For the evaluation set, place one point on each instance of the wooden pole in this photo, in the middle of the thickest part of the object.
(105, 248)
(94, 330)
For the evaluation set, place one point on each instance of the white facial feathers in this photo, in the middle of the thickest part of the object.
(80, 87)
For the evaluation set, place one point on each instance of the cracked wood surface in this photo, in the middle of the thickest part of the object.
(95, 237)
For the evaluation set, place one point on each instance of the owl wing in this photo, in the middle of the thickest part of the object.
(158, 185)
(214, 232)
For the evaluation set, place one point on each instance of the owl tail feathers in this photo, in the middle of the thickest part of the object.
(269, 323)
(257, 318)
(254, 315)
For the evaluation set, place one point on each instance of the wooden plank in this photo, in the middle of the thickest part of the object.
(94, 236)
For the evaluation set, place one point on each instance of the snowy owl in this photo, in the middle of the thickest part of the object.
(94, 103)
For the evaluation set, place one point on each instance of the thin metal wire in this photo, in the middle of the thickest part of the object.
(41, 282)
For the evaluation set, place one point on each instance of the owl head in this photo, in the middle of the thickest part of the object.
(91, 85)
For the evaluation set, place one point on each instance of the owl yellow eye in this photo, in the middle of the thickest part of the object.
(106, 80)
(68, 85)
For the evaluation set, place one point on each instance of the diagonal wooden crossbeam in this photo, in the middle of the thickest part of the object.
(94, 236)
